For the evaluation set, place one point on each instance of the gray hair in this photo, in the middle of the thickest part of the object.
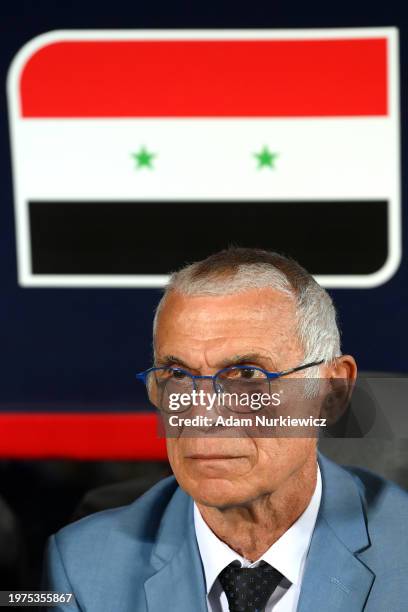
(235, 270)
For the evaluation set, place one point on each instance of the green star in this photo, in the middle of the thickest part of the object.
(143, 158)
(266, 159)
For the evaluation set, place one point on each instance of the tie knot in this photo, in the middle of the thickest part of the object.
(249, 588)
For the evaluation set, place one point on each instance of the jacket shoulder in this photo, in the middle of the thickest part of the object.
(379, 495)
(140, 520)
(385, 506)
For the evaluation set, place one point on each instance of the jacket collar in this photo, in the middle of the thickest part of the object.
(179, 582)
(341, 505)
(334, 576)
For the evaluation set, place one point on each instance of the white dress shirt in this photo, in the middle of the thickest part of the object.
(287, 555)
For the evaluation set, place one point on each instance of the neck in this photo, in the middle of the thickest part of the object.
(250, 529)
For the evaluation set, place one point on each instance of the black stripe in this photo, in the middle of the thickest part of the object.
(330, 237)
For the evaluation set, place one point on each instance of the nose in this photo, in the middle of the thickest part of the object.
(205, 383)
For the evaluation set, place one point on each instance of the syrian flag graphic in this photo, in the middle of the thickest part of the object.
(137, 151)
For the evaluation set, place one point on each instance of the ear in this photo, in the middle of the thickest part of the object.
(341, 376)
(343, 367)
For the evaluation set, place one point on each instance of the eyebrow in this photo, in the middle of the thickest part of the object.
(168, 360)
(246, 358)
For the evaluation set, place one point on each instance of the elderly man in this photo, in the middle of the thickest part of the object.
(247, 523)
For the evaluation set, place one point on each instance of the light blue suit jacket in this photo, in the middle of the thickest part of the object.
(144, 557)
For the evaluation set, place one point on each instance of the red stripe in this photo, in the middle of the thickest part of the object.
(252, 78)
(80, 436)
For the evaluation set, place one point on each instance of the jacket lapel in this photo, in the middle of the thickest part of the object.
(179, 581)
(334, 577)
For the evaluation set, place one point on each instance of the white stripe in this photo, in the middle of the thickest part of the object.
(206, 159)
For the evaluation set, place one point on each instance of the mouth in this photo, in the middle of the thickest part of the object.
(208, 457)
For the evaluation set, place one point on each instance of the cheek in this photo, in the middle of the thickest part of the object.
(176, 452)
(278, 458)
(173, 453)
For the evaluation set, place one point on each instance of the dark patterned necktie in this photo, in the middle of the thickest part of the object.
(248, 589)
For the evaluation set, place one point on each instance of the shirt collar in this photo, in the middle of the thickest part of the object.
(287, 554)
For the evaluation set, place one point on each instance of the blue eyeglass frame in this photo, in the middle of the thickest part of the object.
(269, 375)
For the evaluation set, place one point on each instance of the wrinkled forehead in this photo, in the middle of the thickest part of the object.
(257, 319)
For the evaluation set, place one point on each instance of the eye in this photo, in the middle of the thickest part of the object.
(178, 374)
(248, 373)
(165, 374)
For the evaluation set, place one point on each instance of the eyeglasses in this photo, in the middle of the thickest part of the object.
(164, 383)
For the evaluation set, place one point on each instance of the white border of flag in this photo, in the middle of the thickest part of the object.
(30, 168)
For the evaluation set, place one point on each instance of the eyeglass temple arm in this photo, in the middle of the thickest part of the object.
(302, 367)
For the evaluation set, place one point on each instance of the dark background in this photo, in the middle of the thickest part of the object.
(84, 345)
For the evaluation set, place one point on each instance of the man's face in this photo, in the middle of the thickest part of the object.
(203, 335)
